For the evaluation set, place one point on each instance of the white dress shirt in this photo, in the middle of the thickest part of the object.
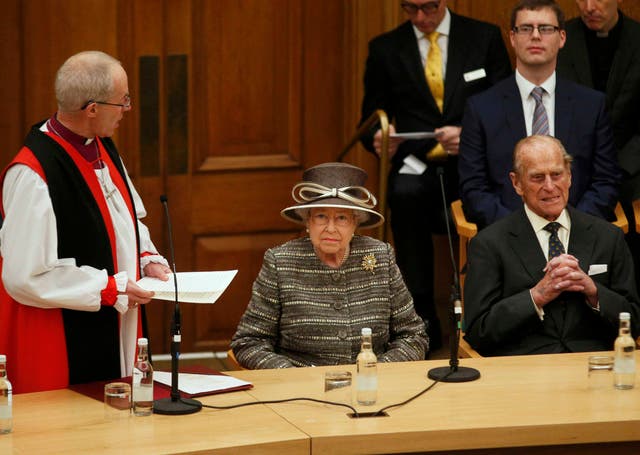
(529, 104)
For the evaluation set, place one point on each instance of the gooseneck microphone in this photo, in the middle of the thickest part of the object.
(175, 405)
(454, 372)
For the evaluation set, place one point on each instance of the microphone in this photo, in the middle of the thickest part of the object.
(454, 372)
(175, 405)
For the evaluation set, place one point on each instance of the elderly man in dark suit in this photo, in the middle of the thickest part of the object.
(423, 87)
(535, 101)
(523, 293)
(603, 52)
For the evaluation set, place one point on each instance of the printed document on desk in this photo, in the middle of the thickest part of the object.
(193, 287)
(195, 385)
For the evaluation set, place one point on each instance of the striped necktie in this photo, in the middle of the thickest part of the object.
(555, 245)
(540, 121)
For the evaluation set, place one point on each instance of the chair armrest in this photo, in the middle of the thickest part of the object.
(636, 214)
(233, 362)
(465, 351)
(621, 219)
(464, 228)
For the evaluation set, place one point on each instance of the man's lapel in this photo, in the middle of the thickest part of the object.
(409, 55)
(512, 107)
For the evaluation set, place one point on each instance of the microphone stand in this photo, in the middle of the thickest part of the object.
(175, 405)
(454, 372)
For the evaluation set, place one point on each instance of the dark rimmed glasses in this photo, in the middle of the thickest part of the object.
(426, 8)
(543, 29)
(125, 105)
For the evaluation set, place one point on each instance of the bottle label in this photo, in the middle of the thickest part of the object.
(142, 393)
(5, 408)
(624, 366)
(367, 383)
(137, 376)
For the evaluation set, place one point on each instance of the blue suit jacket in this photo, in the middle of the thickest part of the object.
(494, 122)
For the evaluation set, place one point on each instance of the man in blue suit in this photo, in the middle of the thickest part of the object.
(472, 58)
(495, 120)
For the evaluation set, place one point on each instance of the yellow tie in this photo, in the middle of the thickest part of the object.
(433, 73)
(433, 69)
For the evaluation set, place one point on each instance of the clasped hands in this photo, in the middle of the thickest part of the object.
(448, 136)
(562, 274)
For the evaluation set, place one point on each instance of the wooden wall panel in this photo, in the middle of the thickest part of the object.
(212, 326)
(248, 96)
(48, 25)
(272, 87)
(11, 81)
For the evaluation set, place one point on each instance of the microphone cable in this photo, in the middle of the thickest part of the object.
(355, 413)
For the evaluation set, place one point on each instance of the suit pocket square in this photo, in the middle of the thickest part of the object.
(596, 269)
(474, 75)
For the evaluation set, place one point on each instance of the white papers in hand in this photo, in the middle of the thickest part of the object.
(416, 135)
(412, 166)
(193, 287)
(197, 384)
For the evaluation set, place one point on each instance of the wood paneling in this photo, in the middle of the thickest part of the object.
(248, 97)
(266, 87)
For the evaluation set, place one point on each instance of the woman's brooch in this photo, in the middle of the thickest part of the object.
(369, 262)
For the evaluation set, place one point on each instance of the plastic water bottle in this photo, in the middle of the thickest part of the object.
(624, 366)
(367, 367)
(6, 416)
(142, 381)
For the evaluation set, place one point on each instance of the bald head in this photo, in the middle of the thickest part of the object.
(84, 77)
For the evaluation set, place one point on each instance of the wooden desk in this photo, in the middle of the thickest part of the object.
(67, 422)
(517, 402)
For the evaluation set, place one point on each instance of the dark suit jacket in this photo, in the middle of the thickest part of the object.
(505, 261)
(494, 122)
(623, 93)
(395, 82)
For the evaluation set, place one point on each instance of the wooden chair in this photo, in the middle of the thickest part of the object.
(467, 230)
(636, 214)
(231, 357)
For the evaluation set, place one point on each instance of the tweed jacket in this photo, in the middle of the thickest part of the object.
(304, 313)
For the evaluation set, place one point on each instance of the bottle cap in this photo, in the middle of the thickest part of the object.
(366, 331)
(625, 315)
(143, 342)
(3, 358)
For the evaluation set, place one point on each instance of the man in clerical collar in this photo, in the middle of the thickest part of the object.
(603, 52)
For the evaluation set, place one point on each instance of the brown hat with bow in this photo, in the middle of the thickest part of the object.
(338, 185)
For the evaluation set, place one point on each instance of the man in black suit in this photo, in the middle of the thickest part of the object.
(523, 293)
(472, 57)
(603, 52)
(535, 101)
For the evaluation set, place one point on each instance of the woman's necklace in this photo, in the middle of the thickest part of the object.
(342, 260)
(100, 163)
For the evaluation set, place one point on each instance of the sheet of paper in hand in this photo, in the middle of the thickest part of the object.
(193, 287)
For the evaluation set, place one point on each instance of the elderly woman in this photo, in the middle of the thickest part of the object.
(314, 294)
